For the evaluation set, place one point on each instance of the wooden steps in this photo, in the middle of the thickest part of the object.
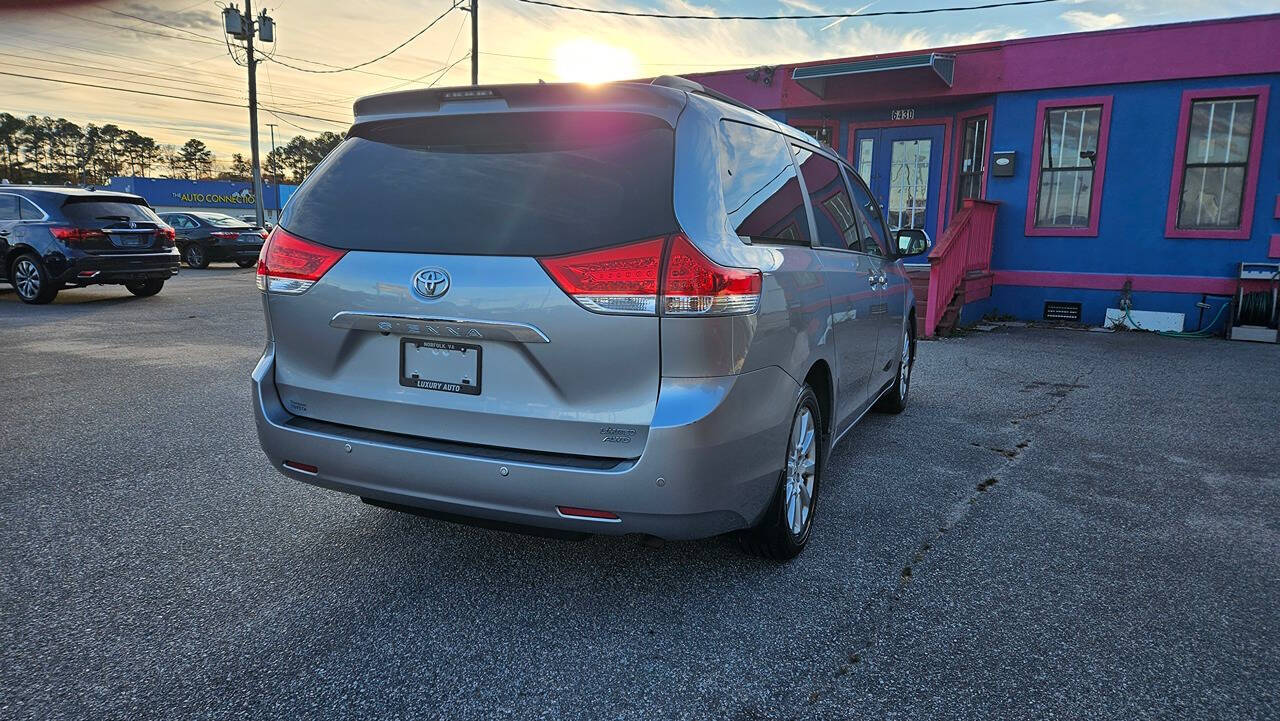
(976, 285)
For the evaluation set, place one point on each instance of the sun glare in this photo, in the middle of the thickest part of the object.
(587, 61)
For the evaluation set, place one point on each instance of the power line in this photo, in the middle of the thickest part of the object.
(446, 70)
(206, 40)
(172, 97)
(452, 6)
(651, 65)
(813, 16)
(133, 75)
(156, 22)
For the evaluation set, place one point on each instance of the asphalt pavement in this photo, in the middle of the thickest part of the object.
(1063, 524)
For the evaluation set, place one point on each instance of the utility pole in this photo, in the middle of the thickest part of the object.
(245, 27)
(275, 176)
(475, 42)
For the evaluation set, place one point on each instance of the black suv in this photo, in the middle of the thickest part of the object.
(56, 237)
(207, 237)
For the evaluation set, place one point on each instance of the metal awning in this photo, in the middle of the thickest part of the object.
(940, 66)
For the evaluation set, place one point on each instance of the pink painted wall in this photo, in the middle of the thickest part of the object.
(1211, 48)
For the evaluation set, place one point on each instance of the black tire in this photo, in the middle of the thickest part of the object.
(31, 280)
(775, 536)
(195, 256)
(145, 288)
(895, 399)
(247, 262)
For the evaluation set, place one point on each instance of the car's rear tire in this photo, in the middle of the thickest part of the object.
(895, 399)
(195, 256)
(31, 280)
(784, 530)
(247, 263)
(145, 288)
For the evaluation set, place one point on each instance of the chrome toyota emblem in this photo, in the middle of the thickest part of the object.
(431, 283)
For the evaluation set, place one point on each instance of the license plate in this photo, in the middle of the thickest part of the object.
(129, 241)
(440, 366)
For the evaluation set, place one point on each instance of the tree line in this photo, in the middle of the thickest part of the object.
(45, 150)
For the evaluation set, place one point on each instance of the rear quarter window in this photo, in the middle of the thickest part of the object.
(761, 192)
(504, 184)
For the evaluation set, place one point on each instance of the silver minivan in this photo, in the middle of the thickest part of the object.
(625, 308)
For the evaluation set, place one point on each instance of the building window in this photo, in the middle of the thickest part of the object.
(866, 147)
(821, 133)
(973, 159)
(1216, 163)
(1066, 167)
(1068, 164)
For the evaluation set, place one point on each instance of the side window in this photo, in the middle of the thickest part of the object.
(869, 218)
(761, 190)
(180, 221)
(9, 207)
(28, 210)
(832, 210)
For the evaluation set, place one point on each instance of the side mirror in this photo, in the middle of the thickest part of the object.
(912, 241)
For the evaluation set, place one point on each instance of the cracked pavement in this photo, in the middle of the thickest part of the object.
(1062, 525)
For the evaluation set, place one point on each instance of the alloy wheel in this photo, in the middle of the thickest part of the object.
(26, 278)
(802, 472)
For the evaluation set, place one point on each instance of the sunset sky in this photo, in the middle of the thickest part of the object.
(182, 52)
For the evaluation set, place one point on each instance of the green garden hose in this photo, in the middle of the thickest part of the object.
(1205, 332)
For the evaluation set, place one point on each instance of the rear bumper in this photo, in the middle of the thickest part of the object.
(710, 465)
(232, 250)
(120, 268)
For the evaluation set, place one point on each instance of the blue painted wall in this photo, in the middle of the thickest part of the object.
(228, 194)
(1130, 241)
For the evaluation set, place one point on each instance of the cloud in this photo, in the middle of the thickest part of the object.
(803, 5)
(1085, 20)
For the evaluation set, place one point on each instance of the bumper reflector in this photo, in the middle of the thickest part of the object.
(587, 514)
(301, 467)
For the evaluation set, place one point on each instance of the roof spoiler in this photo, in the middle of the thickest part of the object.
(678, 83)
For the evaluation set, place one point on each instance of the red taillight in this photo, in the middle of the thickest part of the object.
(225, 235)
(625, 279)
(289, 264)
(166, 236)
(73, 236)
(262, 234)
(694, 285)
(622, 279)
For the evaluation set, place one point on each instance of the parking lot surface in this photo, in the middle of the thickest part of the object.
(1062, 525)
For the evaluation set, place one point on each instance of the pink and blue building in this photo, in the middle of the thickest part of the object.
(1056, 174)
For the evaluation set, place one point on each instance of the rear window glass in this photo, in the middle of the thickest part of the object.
(225, 221)
(506, 184)
(761, 192)
(91, 211)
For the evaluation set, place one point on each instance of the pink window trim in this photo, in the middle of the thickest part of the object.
(1099, 167)
(1171, 229)
(961, 119)
(944, 186)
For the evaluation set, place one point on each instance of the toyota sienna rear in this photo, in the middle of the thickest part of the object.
(529, 305)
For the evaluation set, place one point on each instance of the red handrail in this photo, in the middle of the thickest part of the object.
(965, 246)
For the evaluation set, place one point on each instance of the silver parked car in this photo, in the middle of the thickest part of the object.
(626, 308)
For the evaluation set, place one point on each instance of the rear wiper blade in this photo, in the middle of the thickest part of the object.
(112, 217)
